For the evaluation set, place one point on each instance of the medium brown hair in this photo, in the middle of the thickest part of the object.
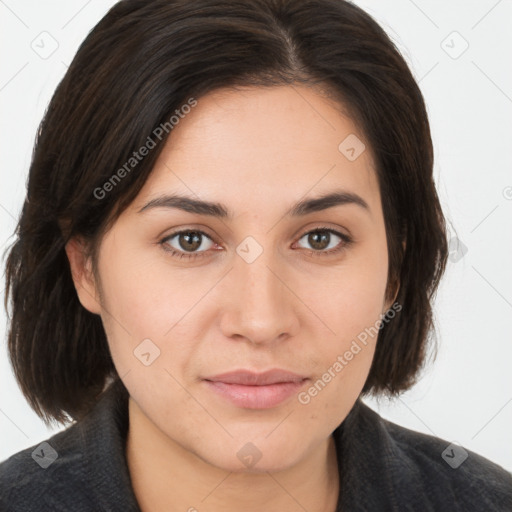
(138, 65)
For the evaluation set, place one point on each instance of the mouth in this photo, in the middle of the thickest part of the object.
(251, 390)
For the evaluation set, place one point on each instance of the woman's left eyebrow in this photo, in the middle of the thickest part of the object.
(214, 209)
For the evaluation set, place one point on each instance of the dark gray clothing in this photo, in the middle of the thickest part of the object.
(383, 467)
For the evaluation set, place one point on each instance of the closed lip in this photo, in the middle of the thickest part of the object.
(251, 378)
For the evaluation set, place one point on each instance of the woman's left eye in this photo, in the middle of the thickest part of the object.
(191, 242)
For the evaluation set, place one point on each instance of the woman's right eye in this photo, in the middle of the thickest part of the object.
(188, 242)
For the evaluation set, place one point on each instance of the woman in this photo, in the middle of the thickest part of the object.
(220, 252)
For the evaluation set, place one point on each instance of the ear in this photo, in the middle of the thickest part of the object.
(83, 278)
(396, 288)
(388, 303)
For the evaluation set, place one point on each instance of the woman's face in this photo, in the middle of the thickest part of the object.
(261, 291)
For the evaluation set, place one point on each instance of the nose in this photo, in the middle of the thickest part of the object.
(258, 303)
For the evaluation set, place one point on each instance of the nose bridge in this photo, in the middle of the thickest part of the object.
(260, 284)
(261, 309)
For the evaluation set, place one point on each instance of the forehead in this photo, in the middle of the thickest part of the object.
(256, 145)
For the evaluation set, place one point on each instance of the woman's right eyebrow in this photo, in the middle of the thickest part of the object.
(188, 204)
(214, 209)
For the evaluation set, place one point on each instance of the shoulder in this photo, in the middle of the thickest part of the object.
(43, 476)
(428, 469)
(82, 468)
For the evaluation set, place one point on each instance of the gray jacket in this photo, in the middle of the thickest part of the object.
(386, 467)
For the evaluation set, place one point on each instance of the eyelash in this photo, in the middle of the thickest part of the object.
(346, 242)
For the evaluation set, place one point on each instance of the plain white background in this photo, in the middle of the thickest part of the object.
(460, 54)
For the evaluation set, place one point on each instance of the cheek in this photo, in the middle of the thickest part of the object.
(351, 299)
(144, 301)
(341, 369)
(143, 295)
(350, 304)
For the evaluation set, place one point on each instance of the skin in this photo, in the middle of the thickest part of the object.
(257, 151)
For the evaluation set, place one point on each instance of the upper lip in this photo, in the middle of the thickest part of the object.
(250, 378)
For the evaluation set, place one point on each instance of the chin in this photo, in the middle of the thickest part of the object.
(253, 458)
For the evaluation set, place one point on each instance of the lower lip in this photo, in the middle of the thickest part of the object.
(256, 397)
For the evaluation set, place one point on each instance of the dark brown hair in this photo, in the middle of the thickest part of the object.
(140, 63)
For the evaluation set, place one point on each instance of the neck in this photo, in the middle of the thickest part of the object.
(166, 476)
